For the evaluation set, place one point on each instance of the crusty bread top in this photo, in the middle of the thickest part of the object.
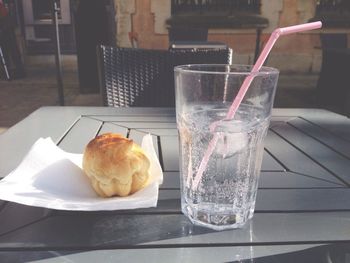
(115, 165)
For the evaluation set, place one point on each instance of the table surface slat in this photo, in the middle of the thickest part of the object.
(295, 160)
(79, 136)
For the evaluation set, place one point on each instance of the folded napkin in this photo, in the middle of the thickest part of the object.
(52, 178)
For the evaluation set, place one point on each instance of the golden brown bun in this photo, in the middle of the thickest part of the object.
(115, 165)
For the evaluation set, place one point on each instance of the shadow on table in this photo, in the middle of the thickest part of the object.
(335, 253)
(99, 230)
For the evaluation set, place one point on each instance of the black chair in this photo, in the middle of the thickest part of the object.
(197, 45)
(145, 77)
(332, 87)
(177, 33)
(10, 57)
(334, 40)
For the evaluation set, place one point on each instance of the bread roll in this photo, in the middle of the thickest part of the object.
(115, 165)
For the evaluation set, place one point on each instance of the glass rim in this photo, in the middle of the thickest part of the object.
(189, 68)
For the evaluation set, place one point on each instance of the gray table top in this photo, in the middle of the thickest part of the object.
(302, 210)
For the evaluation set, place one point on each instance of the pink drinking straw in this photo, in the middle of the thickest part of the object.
(246, 83)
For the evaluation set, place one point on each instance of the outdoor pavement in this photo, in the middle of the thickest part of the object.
(20, 97)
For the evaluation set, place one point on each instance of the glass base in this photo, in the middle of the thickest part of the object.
(218, 220)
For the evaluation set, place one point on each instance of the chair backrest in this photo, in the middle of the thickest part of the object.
(145, 77)
(197, 45)
(187, 34)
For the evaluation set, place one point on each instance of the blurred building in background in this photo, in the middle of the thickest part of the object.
(244, 25)
(236, 22)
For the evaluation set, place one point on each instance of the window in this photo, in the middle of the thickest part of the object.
(224, 7)
(332, 7)
(42, 9)
(238, 14)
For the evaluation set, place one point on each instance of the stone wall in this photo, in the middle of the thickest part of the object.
(300, 53)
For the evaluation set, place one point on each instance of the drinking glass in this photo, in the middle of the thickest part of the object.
(226, 193)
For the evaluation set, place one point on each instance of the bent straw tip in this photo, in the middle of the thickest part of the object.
(299, 28)
(314, 25)
(318, 23)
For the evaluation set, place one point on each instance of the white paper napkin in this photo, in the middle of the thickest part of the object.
(52, 178)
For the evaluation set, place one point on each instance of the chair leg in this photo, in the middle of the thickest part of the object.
(3, 61)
